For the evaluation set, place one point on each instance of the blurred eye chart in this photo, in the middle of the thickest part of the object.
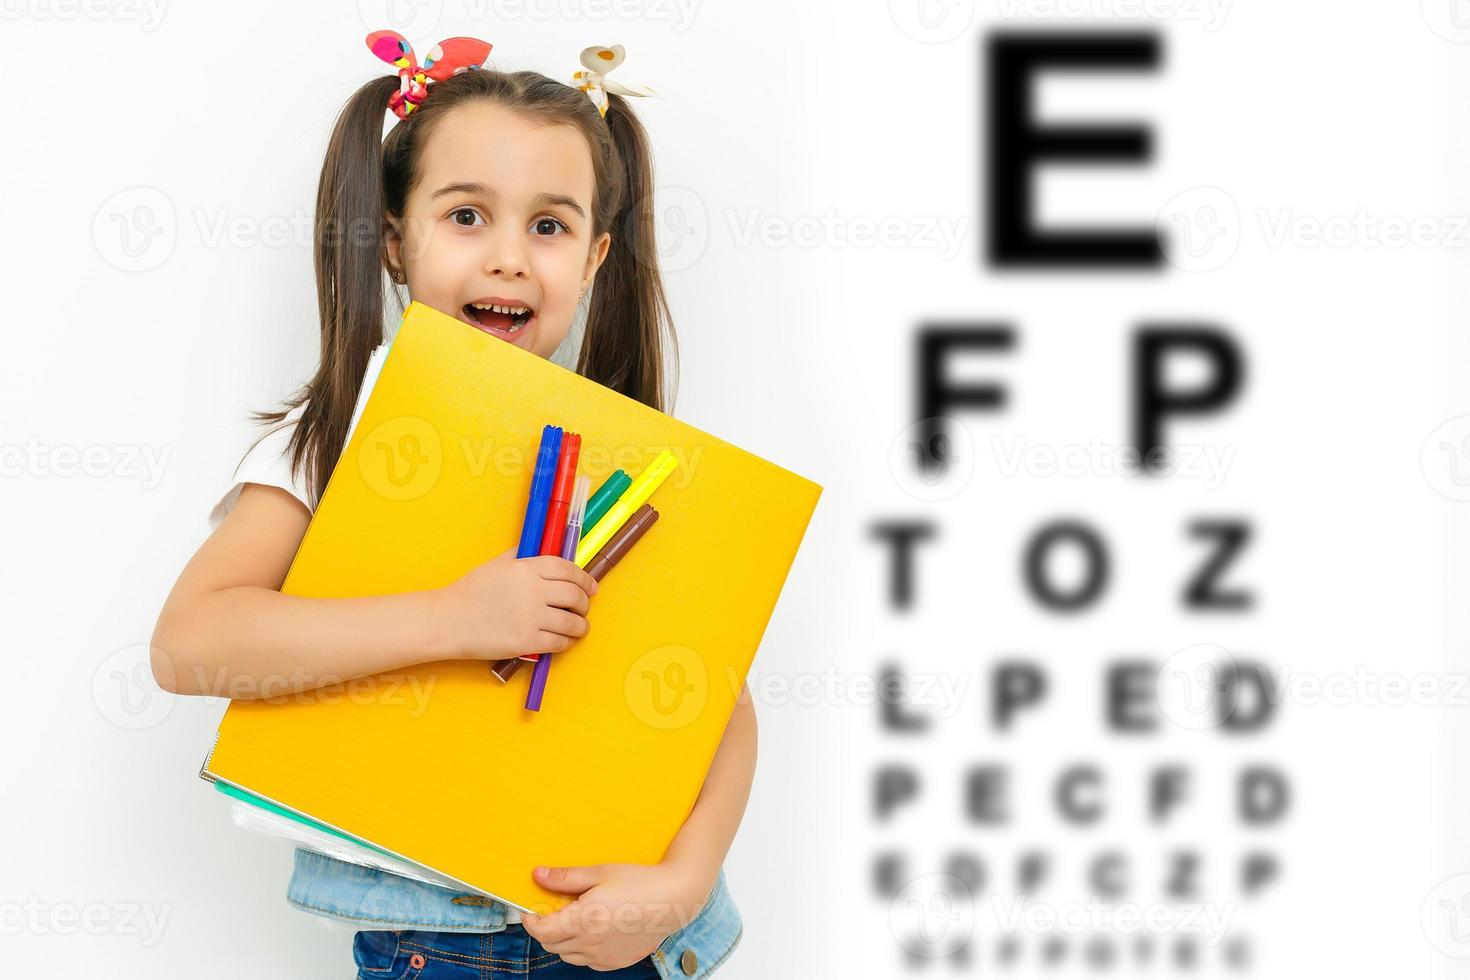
(1128, 339)
(1151, 657)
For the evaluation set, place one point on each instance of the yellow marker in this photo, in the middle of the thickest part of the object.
(634, 497)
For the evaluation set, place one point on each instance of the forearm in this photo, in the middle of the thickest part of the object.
(705, 838)
(251, 642)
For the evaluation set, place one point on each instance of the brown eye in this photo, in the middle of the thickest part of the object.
(458, 213)
(547, 227)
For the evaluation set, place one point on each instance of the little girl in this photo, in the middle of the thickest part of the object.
(501, 199)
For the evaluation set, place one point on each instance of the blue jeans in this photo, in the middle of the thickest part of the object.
(420, 955)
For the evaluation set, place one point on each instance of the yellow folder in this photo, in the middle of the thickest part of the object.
(440, 764)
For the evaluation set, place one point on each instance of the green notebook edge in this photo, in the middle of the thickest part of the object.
(245, 796)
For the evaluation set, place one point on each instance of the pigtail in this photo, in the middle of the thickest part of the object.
(348, 253)
(628, 321)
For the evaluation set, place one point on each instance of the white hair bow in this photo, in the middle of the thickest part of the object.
(594, 81)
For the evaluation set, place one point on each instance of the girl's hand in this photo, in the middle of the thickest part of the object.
(623, 913)
(510, 606)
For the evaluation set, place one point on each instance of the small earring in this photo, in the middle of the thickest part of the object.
(398, 277)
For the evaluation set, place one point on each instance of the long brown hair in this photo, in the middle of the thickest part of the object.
(365, 175)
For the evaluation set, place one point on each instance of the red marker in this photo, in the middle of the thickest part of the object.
(561, 494)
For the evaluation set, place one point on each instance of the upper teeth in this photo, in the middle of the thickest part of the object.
(496, 307)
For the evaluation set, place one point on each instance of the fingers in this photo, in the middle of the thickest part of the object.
(550, 643)
(561, 635)
(556, 929)
(565, 623)
(551, 567)
(567, 596)
(573, 953)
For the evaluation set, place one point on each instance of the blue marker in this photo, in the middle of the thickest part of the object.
(541, 479)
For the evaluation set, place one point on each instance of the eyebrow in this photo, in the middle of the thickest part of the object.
(542, 200)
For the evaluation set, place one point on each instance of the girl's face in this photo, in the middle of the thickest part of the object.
(498, 229)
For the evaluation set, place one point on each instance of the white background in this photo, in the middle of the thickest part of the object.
(189, 120)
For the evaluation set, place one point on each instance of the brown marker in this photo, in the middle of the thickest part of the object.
(622, 541)
(603, 562)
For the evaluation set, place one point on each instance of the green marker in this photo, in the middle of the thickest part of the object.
(607, 494)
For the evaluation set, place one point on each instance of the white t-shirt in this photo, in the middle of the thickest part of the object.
(268, 463)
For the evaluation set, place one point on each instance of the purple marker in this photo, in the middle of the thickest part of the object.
(569, 542)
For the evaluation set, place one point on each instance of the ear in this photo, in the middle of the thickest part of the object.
(595, 256)
(393, 243)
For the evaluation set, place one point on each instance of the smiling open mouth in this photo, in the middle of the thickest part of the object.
(499, 318)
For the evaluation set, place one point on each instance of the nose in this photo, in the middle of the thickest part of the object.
(505, 254)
